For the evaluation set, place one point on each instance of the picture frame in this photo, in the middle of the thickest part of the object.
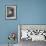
(10, 12)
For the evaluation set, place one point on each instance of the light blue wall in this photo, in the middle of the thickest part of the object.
(33, 12)
(28, 12)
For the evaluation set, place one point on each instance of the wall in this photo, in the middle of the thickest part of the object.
(33, 12)
(28, 12)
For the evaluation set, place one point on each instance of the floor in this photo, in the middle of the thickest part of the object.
(7, 45)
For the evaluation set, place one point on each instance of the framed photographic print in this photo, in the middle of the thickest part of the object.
(10, 11)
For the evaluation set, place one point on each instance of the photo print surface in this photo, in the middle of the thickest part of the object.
(11, 12)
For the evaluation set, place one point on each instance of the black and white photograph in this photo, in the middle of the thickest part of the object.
(29, 34)
(11, 12)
